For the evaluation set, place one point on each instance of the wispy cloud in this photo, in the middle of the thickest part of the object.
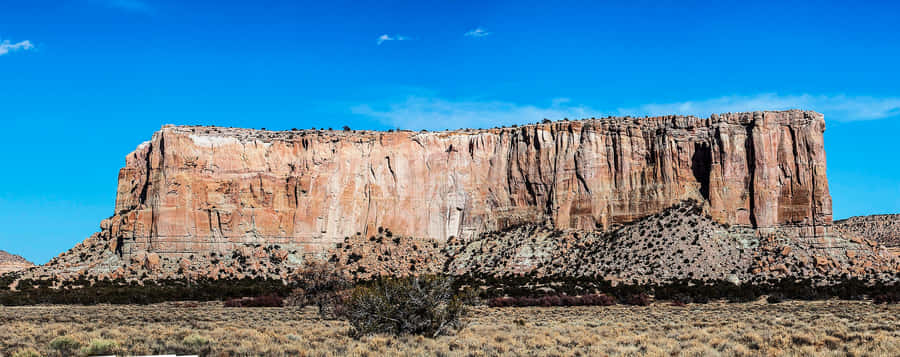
(7, 47)
(130, 5)
(386, 37)
(835, 107)
(477, 32)
(422, 112)
(435, 113)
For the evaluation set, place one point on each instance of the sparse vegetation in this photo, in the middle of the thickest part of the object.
(425, 305)
(100, 347)
(554, 300)
(120, 292)
(321, 284)
(259, 301)
(65, 345)
(791, 328)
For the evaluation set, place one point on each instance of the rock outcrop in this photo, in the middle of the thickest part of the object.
(883, 229)
(11, 262)
(200, 200)
(198, 189)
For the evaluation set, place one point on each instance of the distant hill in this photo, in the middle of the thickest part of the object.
(882, 228)
(11, 262)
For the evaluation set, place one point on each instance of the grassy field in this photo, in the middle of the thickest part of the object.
(818, 328)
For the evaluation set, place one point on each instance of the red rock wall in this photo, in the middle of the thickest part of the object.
(194, 189)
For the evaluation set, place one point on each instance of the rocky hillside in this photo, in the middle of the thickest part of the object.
(11, 262)
(883, 229)
(588, 195)
(682, 242)
(679, 243)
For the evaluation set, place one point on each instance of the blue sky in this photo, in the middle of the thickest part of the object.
(83, 82)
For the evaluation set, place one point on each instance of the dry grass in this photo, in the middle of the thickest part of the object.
(820, 328)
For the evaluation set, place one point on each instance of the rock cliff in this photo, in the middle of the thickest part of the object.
(206, 198)
(195, 189)
(12, 262)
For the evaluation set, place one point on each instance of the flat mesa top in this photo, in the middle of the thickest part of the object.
(676, 121)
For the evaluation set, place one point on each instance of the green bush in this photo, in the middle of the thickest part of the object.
(413, 305)
(65, 345)
(195, 341)
(100, 347)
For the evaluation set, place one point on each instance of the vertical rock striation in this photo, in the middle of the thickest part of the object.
(198, 189)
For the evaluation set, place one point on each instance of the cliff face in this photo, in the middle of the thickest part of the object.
(200, 189)
(12, 262)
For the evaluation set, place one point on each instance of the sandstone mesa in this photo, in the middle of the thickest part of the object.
(200, 200)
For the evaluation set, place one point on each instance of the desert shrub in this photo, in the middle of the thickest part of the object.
(774, 299)
(550, 301)
(425, 305)
(567, 300)
(271, 300)
(640, 299)
(501, 302)
(681, 299)
(322, 284)
(120, 292)
(888, 298)
(100, 347)
(554, 300)
(26, 353)
(195, 342)
(597, 300)
(65, 345)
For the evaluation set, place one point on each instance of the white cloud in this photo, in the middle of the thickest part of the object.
(386, 37)
(435, 113)
(7, 47)
(420, 112)
(477, 32)
(837, 107)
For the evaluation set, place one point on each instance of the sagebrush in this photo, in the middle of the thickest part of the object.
(427, 305)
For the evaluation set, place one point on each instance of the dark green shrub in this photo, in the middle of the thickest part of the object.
(426, 305)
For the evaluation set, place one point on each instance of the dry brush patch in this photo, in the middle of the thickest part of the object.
(791, 328)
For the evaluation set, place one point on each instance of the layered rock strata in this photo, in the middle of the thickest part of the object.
(192, 197)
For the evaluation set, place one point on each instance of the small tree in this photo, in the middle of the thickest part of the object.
(425, 305)
(322, 284)
(346, 128)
